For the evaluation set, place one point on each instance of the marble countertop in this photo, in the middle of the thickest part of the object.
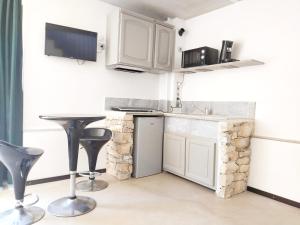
(215, 118)
(198, 117)
(154, 113)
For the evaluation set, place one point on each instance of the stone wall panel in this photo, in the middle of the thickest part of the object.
(119, 149)
(234, 161)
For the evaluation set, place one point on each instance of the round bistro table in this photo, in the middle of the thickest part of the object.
(73, 125)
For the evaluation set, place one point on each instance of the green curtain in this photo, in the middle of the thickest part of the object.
(11, 95)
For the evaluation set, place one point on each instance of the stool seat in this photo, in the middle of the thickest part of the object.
(95, 133)
(92, 140)
(19, 161)
(5, 146)
(31, 151)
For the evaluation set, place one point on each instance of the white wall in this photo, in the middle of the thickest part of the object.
(267, 30)
(60, 85)
(168, 81)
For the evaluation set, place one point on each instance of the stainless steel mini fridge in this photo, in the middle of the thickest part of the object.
(148, 145)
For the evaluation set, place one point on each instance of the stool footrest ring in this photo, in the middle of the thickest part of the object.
(89, 174)
(22, 203)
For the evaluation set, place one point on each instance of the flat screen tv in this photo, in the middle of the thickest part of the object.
(70, 42)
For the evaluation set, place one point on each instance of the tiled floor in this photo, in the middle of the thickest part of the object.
(163, 200)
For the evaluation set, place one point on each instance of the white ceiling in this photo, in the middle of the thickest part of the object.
(162, 9)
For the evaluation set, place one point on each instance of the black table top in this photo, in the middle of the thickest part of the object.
(72, 117)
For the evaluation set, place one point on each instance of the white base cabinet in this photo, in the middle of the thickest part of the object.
(174, 154)
(200, 160)
(191, 157)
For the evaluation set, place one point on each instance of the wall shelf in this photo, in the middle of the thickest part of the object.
(222, 66)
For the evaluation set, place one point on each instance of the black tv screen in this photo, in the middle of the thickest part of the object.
(70, 42)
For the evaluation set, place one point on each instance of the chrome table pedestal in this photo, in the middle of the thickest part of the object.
(68, 207)
(72, 205)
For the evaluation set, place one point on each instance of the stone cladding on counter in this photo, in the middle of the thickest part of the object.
(119, 149)
(233, 156)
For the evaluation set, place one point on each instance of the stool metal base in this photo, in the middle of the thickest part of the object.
(68, 207)
(22, 216)
(91, 185)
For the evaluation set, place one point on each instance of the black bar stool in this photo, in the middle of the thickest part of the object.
(92, 140)
(19, 161)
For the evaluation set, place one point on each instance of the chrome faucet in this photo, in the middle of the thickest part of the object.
(206, 111)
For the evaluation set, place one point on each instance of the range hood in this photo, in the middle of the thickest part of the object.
(125, 68)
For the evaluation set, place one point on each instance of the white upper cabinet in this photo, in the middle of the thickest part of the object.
(136, 41)
(164, 47)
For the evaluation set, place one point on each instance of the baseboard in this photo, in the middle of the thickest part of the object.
(57, 178)
(274, 197)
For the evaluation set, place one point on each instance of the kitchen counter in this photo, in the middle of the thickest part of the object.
(215, 118)
(229, 139)
(122, 114)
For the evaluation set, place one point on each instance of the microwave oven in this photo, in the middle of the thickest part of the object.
(199, 57)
